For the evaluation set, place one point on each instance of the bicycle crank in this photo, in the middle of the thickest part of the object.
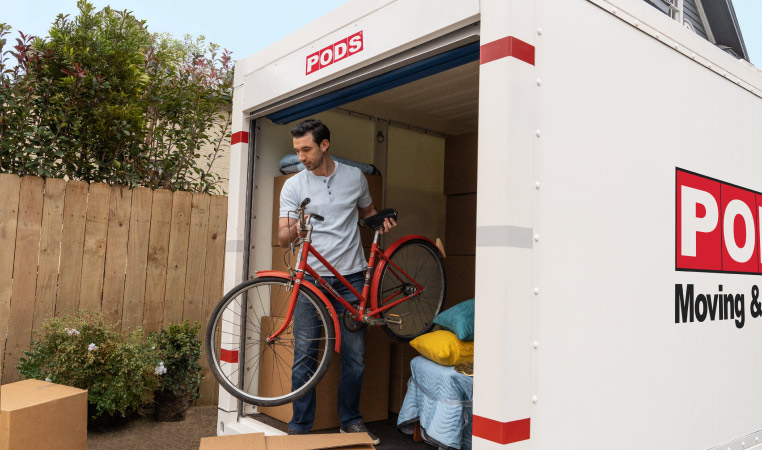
(351, 324)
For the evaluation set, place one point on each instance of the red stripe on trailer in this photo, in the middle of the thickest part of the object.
(501, 432)
(241, 136)
(230, 356)
(507, 46)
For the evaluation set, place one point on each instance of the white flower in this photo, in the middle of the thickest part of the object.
(92, 347)
(160, 369)
(71, 331)
(48, 379)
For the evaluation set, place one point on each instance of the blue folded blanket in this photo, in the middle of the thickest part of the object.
(290, 164)
(440, 400)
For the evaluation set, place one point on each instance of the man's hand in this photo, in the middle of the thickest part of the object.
(288, 230)
(388, 225)
(371, 210)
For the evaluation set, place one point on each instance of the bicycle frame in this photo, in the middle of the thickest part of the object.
(372, 278)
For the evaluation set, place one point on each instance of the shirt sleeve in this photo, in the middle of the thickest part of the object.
(289, 199)
(364, 200)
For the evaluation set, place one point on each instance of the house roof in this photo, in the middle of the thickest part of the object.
(724, 23)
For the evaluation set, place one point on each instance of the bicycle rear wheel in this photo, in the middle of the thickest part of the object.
(260, 372)
(420, 260)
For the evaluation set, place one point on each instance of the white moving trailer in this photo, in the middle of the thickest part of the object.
(618, 227)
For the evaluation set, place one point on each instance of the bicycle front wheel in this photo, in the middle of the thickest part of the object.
(415, 261)
(279, 371)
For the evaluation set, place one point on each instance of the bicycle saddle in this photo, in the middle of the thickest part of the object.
(377, 220)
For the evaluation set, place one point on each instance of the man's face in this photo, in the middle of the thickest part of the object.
(309, 152)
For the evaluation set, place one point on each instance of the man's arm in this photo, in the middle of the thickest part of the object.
(286, 233)
(371, 210)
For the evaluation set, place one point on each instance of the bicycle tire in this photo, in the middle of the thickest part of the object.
(266, 379)
(422, 261)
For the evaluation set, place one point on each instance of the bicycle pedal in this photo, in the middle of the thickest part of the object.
(393, 319)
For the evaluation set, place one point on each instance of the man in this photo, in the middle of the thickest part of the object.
(340, 194)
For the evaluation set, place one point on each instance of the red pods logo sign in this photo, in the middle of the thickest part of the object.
(718, 226)
(333, 53)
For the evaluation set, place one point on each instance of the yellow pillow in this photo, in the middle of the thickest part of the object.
(444, 347)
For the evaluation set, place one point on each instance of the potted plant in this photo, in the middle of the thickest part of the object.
(178, 349)
(88, 352)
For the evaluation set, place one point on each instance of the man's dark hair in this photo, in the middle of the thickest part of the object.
(319, 131)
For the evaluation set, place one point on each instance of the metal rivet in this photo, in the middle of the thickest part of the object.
(693, 56)
(539, 82)
(658, 35)
(637, 24)
(537, 185)
(537, 238)
(534, 399)
(674, 46)
(614, 11)
(536, 291)
(539, 31)
(538, 133)
(535, 344)
(724, 73)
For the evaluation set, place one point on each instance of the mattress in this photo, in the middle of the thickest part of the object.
(290, 164)
(440, 400)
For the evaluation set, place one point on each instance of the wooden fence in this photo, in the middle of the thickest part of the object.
(145, 258)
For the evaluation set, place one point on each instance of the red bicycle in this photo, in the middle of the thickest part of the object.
(250, 337)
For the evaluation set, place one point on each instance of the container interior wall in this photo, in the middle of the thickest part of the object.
(414, 182)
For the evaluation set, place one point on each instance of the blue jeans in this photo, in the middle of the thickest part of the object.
(306, 325)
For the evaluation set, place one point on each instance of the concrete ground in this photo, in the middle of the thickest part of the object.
(145, 433)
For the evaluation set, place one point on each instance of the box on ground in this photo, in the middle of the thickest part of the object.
(258, 441)
(374, 399)
(39, 415)
(374, 187)
(399, 374)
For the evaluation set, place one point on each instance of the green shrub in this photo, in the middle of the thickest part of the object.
(179, 350)
(87, 352)
(101, 99)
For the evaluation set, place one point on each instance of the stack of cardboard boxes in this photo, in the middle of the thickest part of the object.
(374, 399)
(460, 222)
(460, 246)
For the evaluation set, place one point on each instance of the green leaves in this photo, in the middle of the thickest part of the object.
(179, 348)
(104, 100)
(88, 352)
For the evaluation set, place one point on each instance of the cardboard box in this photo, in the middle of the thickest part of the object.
(39, 415)
(374, 399)
(374, 186)
(461, 279)
(399, 374)
(258, 441)
(460, 225)
(460, 165)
